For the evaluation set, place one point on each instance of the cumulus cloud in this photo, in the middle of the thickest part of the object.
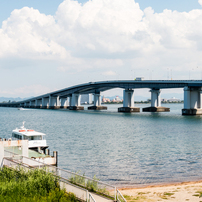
(200, 2)
(30, 33)
(109, 73)
(101, 35)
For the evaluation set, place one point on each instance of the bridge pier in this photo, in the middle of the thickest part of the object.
(38, 103)
(64, 103)
(75, 102)
(192, 101)
(128, 102)
(26, 105)
(97, 103)
(32, 104)
(54, 102)
(155, 103)
(45, 103)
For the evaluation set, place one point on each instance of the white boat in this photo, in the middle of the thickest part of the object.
(21, 108)
(36, 140)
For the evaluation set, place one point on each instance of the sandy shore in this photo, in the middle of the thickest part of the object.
(187, 191)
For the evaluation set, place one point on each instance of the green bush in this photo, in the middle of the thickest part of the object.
(33, 185)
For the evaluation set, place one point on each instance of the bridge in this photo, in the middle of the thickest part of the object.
(70, 97)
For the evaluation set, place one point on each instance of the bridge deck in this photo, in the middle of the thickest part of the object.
(97, 87)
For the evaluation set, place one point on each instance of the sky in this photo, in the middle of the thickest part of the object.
(53, 44)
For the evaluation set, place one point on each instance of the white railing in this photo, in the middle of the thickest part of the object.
(81, 181)
(120, 197)
(78, 191)
(14, 164)
(10, 154)
(93, 185)
(91, 199)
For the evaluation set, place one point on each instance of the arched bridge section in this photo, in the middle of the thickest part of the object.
(70, 97)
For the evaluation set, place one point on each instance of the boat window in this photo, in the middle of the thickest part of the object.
(36, 138)
(26, 138)
(17, 136)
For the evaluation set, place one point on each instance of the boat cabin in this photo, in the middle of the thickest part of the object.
(36, 140)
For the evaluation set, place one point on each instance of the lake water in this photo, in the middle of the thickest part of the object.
(122, 149)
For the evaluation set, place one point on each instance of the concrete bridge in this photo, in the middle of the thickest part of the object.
(70, 97)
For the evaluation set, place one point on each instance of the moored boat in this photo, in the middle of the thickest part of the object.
(36, 140)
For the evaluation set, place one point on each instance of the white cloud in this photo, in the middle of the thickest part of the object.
(28, 33)
(109, 73)
(105, 36)
(200, 2)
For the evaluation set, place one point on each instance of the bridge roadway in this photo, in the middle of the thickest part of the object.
(70, 97)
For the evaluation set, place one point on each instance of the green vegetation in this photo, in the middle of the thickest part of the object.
(168, 194)
(91, 185)
(198, 193)
(31, 186)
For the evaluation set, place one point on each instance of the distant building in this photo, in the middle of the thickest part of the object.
(117, 99)
(173, 99)
(164, 100)
(105, 99)
(86, 99)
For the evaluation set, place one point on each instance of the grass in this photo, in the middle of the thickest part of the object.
(91, 185)
(17, 185)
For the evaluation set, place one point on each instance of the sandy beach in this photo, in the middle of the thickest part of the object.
(186, 191)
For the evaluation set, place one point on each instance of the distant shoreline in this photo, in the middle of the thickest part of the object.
(145, 102)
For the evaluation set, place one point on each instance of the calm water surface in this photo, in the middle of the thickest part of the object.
(122, 149)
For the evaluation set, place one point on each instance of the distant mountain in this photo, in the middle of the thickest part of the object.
(6, 99)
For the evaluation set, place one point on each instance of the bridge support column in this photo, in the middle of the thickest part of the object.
(54, 102)
(38, 103)
(155, 103)
(192, 101)
(26, 105)
(75, 102)
(70, 100)
(128, 102)
(97, 103)
(64, 103)
(45, 103)
(32, 104)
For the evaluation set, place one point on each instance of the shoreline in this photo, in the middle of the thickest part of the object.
(178, 192)
(160, 185)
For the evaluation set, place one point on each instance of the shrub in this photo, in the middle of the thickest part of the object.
(33, 185)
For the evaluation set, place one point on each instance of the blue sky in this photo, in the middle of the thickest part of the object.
(49, 7)
(62, 43)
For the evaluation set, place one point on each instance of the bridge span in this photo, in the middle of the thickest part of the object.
(70, 97)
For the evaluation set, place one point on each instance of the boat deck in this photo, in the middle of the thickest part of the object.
(31, 153)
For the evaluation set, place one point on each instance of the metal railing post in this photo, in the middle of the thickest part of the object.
(91, 197)
(115, 194)
(118, 192)
(87, 195)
